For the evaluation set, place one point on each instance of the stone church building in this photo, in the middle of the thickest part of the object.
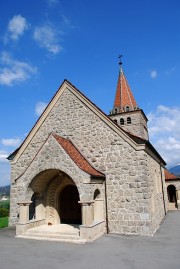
(91, 172)
(173, 190)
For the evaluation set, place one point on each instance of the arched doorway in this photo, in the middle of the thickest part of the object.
(171, 190)
(70, 209)
(55, 198)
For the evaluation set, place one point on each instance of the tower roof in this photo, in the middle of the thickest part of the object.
(124, 97)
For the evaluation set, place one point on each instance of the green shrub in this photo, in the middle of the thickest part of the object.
(4, 212)
(4, 204)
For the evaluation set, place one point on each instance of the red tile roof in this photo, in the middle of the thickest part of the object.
(124, 96)
(169, 176)
(77, 157)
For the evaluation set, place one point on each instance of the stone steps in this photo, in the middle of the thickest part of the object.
(51, 237)
(171, 206)
(54, 233)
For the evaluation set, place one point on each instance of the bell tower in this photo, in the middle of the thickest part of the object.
(126, 113)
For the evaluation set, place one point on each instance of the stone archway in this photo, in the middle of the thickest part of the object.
(57, 199)
(69, 208)
(171, 190)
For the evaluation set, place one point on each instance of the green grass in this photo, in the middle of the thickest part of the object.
(4, 222)
(4, 212)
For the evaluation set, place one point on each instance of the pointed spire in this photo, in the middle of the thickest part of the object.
(124, 97)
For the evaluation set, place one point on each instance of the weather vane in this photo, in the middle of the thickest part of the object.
(120, 62)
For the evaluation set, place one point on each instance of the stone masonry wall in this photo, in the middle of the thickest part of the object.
(126, 170)
(51, 156)
(176, 183)
(158, 203)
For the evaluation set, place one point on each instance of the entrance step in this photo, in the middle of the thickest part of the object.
(172, 206)
(61, 233)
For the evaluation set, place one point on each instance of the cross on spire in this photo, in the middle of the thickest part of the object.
(124, 97)
(120, 62)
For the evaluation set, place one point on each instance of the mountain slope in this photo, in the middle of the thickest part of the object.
(5, 190)
(175, 170)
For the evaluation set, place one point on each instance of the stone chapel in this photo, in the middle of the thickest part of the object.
(81, 173)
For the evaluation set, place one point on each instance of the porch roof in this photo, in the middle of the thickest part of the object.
(77, 157)
(170, 176)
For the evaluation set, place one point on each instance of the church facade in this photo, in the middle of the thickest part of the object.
(79, 166)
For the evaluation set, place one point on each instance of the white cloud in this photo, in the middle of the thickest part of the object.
(66, 23)
(52, 3)
(164, 132)
(12, 70)
(40, 106)
(47, 37)
(169, 71)
(11, 142)
(153, 74)
(164, 120)
(16, 27)
(3, 156)
(169, 148)
(4, 173)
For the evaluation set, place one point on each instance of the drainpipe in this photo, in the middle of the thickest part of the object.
(163, 190)
(107, 223)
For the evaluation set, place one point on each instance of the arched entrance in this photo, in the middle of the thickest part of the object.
(70, 209)
(171, 190)
(54, 197)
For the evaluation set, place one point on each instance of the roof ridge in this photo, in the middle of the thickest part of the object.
(13, 154)
(28, 138)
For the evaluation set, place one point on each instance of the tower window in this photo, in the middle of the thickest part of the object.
(122, 121)
(128, 120)
(115, 110)
(127, 108)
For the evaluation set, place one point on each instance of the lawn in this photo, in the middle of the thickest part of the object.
(3, 222)
(4, 213)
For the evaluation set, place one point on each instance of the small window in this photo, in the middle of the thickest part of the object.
(122, 121)
(127, 108)
(115, 110)
(128, 120)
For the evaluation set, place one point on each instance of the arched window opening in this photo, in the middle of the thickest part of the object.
(127, 108)
(115, 110)
(32, 207)
(122, 121)
(97, 194)
(128, 120)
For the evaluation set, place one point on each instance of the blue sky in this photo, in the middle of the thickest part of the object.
(42, 42)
